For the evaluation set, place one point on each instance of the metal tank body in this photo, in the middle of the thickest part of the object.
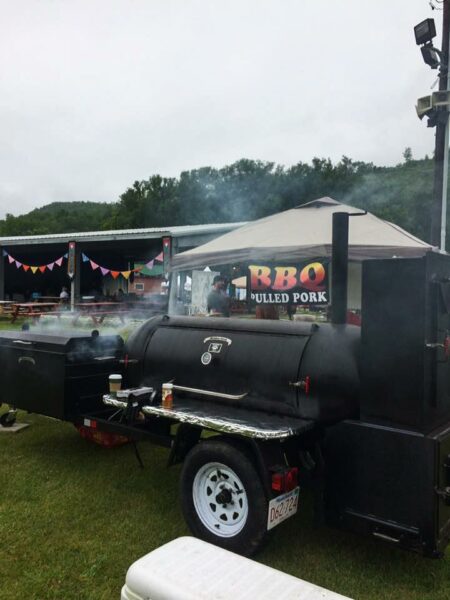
(306, 370)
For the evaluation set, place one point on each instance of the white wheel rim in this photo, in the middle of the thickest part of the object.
(220, 499)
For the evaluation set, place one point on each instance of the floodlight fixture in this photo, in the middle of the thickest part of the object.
(425, 31)
(430, 56)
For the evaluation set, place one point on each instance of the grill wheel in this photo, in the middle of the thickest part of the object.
(222, 497)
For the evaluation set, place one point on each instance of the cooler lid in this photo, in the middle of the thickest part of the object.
(190, 569)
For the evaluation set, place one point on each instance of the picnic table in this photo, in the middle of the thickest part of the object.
(34, 310)
(47, 299)
(6, 307)
(98, 311)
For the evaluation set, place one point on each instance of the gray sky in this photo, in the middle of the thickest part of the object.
(98, 93)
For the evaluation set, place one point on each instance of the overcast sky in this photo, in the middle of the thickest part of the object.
(95, 94)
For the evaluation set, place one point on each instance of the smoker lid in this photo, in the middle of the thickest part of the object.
(245, 325)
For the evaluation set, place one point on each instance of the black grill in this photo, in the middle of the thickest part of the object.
(59, 375)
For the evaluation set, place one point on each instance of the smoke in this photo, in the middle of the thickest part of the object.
(112, 325)
(401, 195)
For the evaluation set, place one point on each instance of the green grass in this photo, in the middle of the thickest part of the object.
(74, 516)
(6, 324)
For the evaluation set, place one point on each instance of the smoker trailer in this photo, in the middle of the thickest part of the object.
(360, 415)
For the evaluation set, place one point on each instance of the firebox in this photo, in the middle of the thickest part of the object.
(58, 375)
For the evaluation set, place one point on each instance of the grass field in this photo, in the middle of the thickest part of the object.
(74, 516)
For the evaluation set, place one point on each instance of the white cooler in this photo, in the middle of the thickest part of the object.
(189, 569)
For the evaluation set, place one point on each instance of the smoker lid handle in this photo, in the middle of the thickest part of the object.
(23, 342)
(200, 392)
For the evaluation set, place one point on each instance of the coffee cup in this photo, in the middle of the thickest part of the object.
(115, 383)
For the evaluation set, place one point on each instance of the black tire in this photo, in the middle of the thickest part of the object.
(7, 419)
(251, 536)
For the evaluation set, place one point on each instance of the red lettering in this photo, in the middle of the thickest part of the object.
(259, 278)
(285, 278)
(312, 276)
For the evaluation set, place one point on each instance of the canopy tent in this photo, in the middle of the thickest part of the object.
(304, 232)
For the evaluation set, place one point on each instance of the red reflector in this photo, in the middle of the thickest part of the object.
(285, 481)
(291, 479)
(307, 384)
(94, 424)
(278, 482)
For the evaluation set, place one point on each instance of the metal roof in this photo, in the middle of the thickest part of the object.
(121, 234)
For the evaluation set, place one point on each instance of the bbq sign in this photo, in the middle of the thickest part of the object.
(305, 284)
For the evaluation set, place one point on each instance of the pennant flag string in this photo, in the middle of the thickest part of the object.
(104, 270)
(34, 269)
(115, 274)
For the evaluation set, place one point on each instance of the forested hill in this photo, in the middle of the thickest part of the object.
(58, 217)
(243, 191)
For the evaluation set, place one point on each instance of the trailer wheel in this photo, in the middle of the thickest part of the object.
(222, 496)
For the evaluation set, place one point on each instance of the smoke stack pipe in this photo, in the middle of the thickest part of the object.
(339, 268)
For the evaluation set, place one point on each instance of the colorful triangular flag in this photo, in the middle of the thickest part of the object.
(50, 266)
(160, 257)
(84, 257)
(25, 267)
(115, 274)
(4, 253)
(18, 264)
(34, 269)
(42, 268)
(10, 259)
(125, 274)
(94, 265)
(104, 271)
(150, 264)
(59, 261)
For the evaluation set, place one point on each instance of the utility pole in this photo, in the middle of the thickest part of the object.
(439, 206)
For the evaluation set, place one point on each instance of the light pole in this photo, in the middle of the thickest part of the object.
(439, 206)
(438, 117)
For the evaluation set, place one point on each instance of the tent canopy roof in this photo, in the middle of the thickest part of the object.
(304, 232)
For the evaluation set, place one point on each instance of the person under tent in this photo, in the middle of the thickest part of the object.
(64, 296)
(218, 303)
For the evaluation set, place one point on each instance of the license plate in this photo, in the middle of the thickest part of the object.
(282, 507)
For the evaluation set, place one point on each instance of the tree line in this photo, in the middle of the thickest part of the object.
(246, 190)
